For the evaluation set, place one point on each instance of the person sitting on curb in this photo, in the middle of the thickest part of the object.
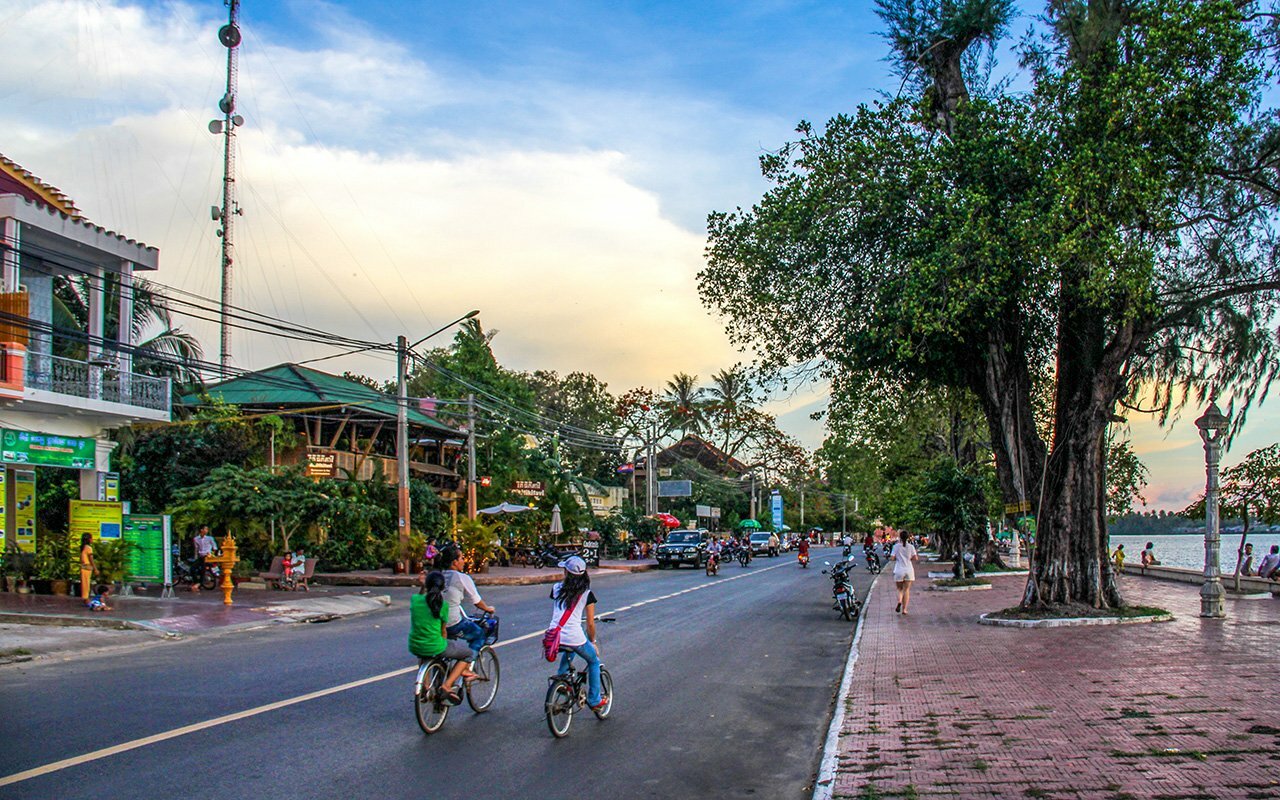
(1246, 559)
(98, 600)
(1148, 556)
(1269, 569)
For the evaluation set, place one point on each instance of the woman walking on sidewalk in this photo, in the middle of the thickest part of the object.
(904, 573)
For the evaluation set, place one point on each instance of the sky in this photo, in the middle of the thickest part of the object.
(551, 164)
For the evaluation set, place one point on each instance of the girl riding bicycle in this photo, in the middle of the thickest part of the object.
(428, 637)
(575, 592)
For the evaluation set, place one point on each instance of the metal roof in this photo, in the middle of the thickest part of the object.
(287, 385)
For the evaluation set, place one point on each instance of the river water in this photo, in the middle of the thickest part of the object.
(1187, 550)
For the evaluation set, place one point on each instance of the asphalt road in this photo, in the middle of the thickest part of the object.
(723, 686)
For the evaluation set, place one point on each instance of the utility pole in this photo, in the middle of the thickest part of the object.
(753, 495)
(229, 35)
(651, 474)
(802, 506)
(402, 440)
(844, 514)
(471, 456)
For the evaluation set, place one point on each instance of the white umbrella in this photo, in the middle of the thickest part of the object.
(503, 508)
(556, 525)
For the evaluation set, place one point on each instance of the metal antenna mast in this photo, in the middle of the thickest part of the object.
(229, 35)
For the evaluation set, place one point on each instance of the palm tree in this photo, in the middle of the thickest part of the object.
(729, 394)
(684, 403)
(161, 348)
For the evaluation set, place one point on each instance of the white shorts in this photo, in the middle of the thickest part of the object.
(904, 576)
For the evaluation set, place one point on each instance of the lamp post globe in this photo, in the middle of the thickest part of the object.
(1213, 426)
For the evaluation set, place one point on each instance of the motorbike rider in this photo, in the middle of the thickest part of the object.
(803, 547)
(714, 549)
(204, 545)
(459, 588)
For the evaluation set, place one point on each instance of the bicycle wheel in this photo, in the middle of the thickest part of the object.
(483, 690)
(428, 703)
(606, 688)
(559, 708)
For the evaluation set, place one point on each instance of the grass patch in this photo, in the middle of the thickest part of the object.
(1134, 713)
(1265, 730)
(1074, 610)
(981, 766)
(14, 651)
(962, 582)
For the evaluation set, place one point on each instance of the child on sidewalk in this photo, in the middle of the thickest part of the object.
(98, 600)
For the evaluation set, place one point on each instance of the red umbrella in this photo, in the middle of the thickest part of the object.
(666, 520)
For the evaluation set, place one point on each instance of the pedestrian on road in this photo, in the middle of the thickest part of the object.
(460, 590)
(88, 568)
(1118, 558)
(904, 573)
(574, 592)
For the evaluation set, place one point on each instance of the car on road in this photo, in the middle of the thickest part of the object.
(683, 547)
(760, 544)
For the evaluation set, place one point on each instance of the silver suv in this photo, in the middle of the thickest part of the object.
(760, 544)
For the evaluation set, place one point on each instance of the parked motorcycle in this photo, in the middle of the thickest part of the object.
(545, 557)
(185, 574)
(846, 600)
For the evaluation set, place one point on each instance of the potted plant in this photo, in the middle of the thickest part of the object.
(479, 544)
(112, 558)
(417, 544)
(391, 553)
(53, 564)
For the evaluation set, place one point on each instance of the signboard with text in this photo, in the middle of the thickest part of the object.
(776, 508)
(24, 510)
(529, 488)
(148, 561)
(703, 511)
(47, 450)
(321, 465)
(99, 519)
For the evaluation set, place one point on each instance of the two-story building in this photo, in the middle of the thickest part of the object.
(55, 410)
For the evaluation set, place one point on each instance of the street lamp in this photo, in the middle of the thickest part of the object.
(1213, 427)
(403, 349)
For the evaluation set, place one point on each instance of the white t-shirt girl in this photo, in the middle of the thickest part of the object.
(903, 570)
(572, 634)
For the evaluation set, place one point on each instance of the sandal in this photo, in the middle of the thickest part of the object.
(604, 701)
(452, 697)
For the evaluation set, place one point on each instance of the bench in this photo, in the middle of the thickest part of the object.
(274, 577)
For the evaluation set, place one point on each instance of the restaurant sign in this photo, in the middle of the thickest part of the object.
(320, 465)
(529, 488)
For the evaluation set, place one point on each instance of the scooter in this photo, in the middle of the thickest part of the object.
(803, 558)
(846, 600)
(873, 561)
(713, 563)
(545, 557)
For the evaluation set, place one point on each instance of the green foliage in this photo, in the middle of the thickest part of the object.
(1250, 490)
(55, 489)
(53, 556)
(112, 558)
(155, 462)
(479, 544)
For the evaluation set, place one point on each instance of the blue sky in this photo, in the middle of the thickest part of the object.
(550, 163)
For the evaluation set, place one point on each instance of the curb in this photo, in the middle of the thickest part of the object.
(977, 587)
(824, 785)
(481, 579)
(1071, 622)
(69, 621)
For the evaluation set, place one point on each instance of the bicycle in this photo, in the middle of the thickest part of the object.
(430, 702)
(567, 693)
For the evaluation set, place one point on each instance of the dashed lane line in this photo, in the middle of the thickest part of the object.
(124, 747)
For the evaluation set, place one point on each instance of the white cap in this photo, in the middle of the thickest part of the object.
(573, 565)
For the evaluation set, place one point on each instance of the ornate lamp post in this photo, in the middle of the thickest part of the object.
(1213, 426)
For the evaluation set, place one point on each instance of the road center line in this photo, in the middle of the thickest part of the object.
(174, 733)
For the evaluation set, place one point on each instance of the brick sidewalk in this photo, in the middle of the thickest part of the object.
(941, 706)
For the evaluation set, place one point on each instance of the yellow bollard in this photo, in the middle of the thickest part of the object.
(227, 560)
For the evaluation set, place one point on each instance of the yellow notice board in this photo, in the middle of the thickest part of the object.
(24, 509)
(99, 519)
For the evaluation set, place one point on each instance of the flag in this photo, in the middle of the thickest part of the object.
(626, 469)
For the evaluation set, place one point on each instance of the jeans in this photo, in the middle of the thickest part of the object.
(470, 632)
(589, 655)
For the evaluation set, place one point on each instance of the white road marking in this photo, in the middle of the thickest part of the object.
(174, 733)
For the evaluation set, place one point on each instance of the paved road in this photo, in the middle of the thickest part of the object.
(724, 689)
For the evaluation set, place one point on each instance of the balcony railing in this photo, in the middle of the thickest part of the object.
(96, 382)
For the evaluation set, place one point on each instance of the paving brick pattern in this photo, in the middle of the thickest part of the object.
(943, 707)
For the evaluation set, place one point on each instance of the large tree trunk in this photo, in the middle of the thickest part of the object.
(1070, 562)
(1002, 384)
